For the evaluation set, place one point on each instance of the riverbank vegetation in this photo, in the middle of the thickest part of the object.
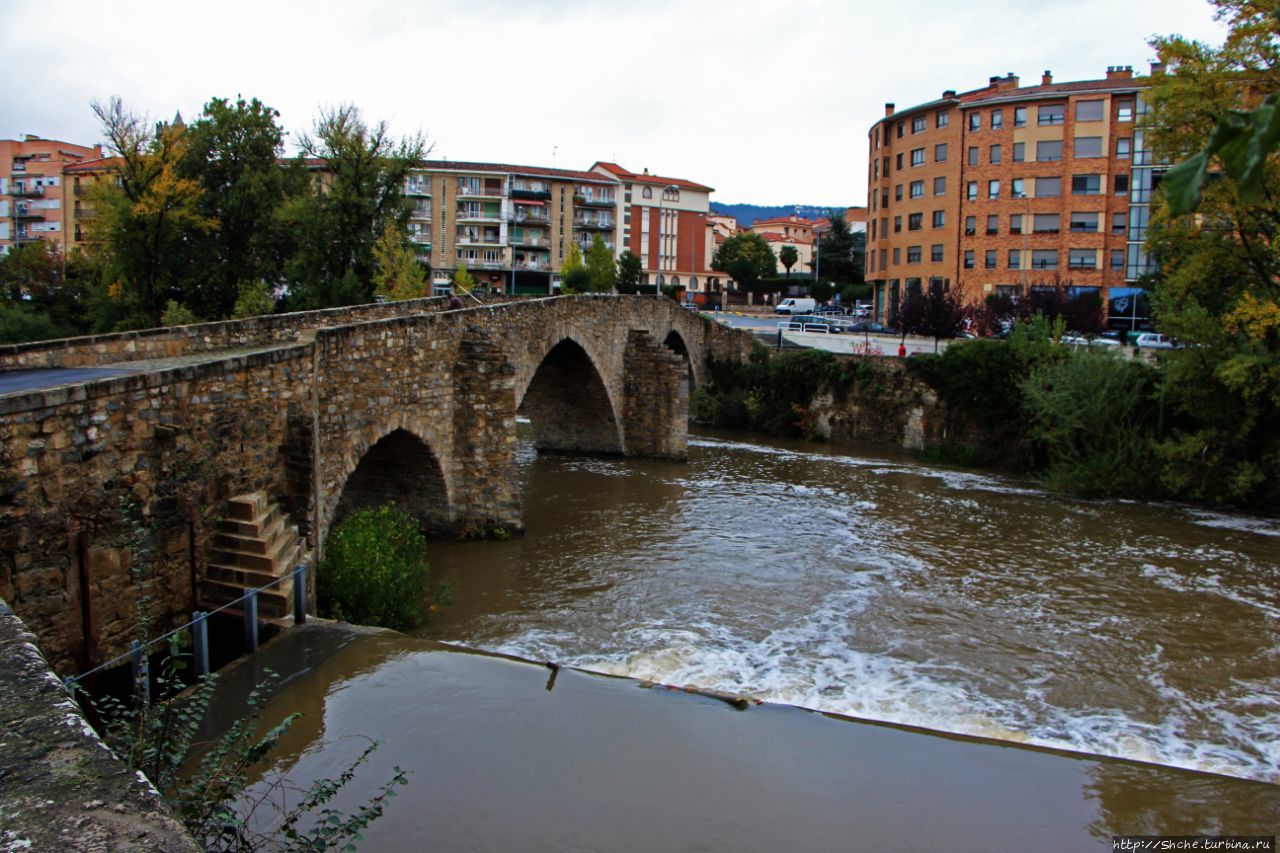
(375, 571)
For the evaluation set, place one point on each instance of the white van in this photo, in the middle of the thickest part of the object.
(803, 305)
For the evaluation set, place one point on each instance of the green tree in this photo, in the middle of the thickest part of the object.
(253, 299)
(788, 256)
(1217, 286)
(574, 275)
(233, 152)
(357, 191)
(746, 258)
(149, 216)
(45, 289)
(840, 252)
(600, 266)
(630, 268)
(397, 274)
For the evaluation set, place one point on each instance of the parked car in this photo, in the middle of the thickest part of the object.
(1086, 341)
(870, 327)
(797, 305)
(836, 310)
(1151, 340)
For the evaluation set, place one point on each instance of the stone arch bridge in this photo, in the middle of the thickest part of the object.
(324, 412)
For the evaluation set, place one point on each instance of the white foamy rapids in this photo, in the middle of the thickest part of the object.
(814, 665)
(1243, 523)
(1207, 581)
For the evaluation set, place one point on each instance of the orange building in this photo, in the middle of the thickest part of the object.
(1006, 187)
(33, 193)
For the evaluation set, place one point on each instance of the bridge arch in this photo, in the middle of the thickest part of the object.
(399, 468)
(569, 403)
(675, 342)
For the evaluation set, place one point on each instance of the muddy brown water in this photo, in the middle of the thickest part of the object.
(842, 580)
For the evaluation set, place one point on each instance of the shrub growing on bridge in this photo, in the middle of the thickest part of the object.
(375, 570)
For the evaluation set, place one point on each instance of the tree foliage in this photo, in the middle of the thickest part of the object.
(630, 268)
(840, 252)
(574, 275)
(1218, 286)
(397, 274)
(601, 269)
(746, 258)
(359, 194)
(788, 256)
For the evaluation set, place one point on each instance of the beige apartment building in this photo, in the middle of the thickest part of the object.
(34, 196)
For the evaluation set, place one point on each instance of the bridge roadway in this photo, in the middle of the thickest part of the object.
(41, 378)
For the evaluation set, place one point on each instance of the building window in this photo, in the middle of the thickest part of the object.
(968, 259)
(993, 156)
(997, 119)
(939, 186)
(873, 235)
(993, 223)
(897, 257)
(935, 253)
(913, 254)
(1123, 148)
(886, 166)
(1051, 114)
(1086, 184)
(942, 118)
(993, 189)
(1019, 116)
(901, 126)
(1117, 259)
(1122, 184)
(1044, 259)
(875, 170)
(940, 153)
(1015, 259)
(939, 218)
(1015, 223)
(898, 161)
(1082, 259)
(897, 225)
(1046, 223)
(973, 155)
(1019, 152)
(970, 225)
(1124, 111)
(917, 124)
(1088, 146)
(915, 221)
(990, 259)
(1118, 223)
(1084, 222)
(917, 157)
(1089, 110)
(671, 195)
(897, 192)
(975, 120)
(971, 191)
(1048, 187)
(884, 197)
(917, 189)
(1018, 188)
(647, 192)
(1048, 150)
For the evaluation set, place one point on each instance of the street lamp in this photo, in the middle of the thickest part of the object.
(657, 287)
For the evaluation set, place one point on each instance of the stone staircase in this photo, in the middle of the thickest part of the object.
(254, 544)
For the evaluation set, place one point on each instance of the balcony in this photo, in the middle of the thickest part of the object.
(422, 214)
(478, 240)
(471, 214)
(531, 192)
(522, 217)
(584, 245)
(536, 242)
(21, 211)
(19, 166)
(595, 201)
(417, 188)
(596, 224)
(21, 191)
(492, 189)
(535, 265)
(420, 239)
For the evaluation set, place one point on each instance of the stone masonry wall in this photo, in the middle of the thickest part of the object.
(61, 788)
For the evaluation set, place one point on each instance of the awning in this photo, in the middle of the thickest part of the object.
(527, 201)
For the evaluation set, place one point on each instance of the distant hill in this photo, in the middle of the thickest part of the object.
(748, 213)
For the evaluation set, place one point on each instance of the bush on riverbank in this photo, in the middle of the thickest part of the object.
(375, 571)
(768, 394)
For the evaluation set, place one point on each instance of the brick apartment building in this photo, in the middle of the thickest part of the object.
(1007, 187)
(34, 196)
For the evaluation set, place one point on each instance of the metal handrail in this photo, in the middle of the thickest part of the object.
(298, 573)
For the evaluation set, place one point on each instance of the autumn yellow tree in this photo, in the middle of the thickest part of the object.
(397, 274)
(145, 216)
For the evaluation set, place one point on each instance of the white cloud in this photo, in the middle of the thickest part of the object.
(767, 102)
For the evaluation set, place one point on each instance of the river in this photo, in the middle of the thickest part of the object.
(863, 583)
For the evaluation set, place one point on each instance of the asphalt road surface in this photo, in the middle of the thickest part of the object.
(15, 381)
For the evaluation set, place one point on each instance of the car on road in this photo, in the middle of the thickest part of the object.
(870, 327)
(1086, 341)
(797, 305)
(1151, 340)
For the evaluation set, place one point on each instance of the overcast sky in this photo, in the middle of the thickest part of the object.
(769, 102)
